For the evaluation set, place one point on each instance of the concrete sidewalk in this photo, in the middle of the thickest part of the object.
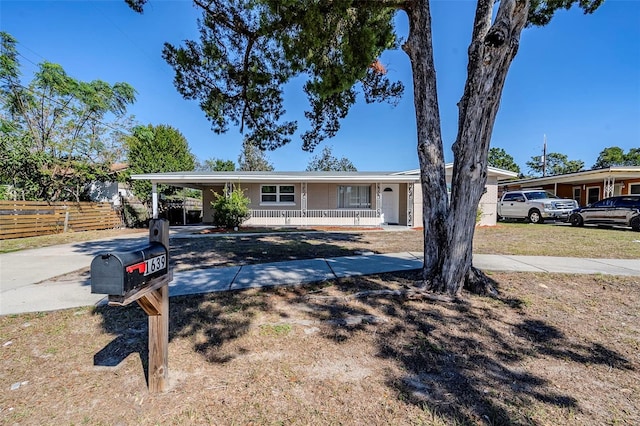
(26, 283)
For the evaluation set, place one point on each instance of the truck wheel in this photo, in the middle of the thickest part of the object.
(535, 216)
(635, 224)
(576, 220)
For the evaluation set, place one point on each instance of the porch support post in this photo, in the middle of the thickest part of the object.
(410, 204)
(154, 199)
(303, 201)
(378, 200)
(609, 184)
(184, 209)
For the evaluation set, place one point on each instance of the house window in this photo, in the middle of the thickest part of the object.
(354, 197)
(634, 188)
(277, 194)
(577, 192)
(593, 194)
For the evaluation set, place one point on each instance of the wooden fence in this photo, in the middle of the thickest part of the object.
(32, 218)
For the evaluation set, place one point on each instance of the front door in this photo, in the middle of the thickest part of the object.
(390, 203)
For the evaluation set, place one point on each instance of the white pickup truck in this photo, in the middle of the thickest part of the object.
(534, 205)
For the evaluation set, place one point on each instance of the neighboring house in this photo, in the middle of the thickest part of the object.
(324, 198)
(585, 187)
(110, 191)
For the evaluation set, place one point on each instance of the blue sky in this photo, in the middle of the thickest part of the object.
(576, 80)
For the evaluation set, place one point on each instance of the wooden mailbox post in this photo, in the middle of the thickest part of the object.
(123, 277)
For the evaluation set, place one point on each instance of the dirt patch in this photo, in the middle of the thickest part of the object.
(553, 349)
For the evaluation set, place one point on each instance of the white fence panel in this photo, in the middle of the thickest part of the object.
(314, 217)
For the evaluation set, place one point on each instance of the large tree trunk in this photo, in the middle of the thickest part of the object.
(449, 229)
(419, 47)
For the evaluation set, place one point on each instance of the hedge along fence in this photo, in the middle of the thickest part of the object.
(32, 218)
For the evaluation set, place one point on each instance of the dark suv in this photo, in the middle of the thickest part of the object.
(623, 210)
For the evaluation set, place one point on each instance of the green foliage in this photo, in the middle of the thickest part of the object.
(216, 165)
(230, 210)
(499, 158)
(632, 157)
(4, 192)
(55, 138)
(615, 156)
(557, 164)
(253, 159)
(156, 149)
(541, 11)
(326, 162)
(135, 217)
(248, 50)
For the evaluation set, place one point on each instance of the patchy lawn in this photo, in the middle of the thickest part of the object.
(552, 239)
(507, 238)
(553, 349)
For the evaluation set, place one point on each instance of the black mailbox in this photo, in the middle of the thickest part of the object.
(117, 273)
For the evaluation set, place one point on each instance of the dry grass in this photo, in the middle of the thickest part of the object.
(15, 244)
(558, 239)
(507, 238)
(513, 238)
(554, 349)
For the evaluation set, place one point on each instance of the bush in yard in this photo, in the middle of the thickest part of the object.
(231, 209)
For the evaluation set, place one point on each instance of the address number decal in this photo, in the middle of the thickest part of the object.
(155, 264)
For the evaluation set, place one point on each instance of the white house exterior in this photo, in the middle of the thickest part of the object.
(324, 198)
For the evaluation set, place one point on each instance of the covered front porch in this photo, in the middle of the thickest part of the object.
(354, 203)
(309, 198)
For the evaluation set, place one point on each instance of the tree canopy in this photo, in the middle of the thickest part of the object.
(253, 159)
(156, 149)
(58, 133)
(615, 156)
(248, 50)
(499, 158)
(216, 165)
(326, 162)
(556, 164)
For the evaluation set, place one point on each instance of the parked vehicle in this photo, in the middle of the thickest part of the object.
(534, 205)
(623, 210)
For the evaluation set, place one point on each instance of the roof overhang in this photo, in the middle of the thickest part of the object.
(203, 179)
(501, 174)
(618, 173)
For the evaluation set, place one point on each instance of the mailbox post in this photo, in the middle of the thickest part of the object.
(142, 276)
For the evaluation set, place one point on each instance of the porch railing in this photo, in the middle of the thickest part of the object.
(337, 217)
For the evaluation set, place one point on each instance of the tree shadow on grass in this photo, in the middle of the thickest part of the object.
(221, 251)
(463, 360)
(252, 249)
(208, 316)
